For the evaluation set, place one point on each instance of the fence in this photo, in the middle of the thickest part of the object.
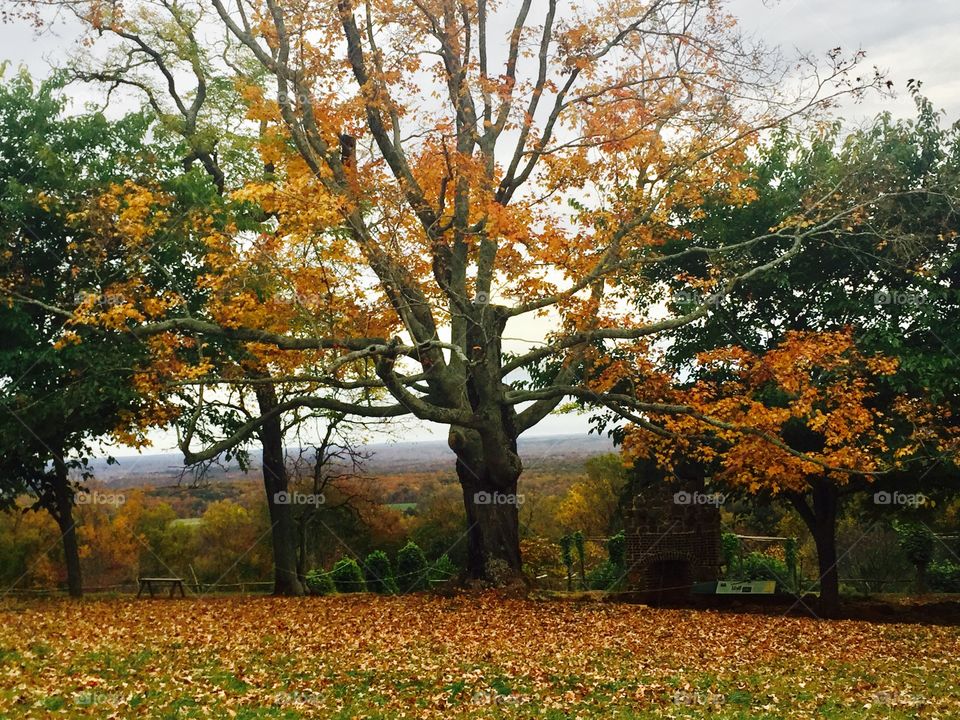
(243, 588)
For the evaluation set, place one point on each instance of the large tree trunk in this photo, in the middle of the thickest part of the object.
(492, 508)
(488, 465)
(68, 529)
(820, 516)
(275, 483)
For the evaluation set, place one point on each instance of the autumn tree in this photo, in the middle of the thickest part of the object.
(592, 504)
(891, 276)
(800, 421)
(446, 173)
(62, 390)
(887, 281)
(162, 57)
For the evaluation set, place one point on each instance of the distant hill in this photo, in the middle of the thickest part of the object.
(401, 458)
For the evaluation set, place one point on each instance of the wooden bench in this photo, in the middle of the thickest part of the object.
(148, 584)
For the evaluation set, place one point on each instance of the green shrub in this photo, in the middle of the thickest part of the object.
(917, 542)
(790, 559)
(730, 552)
(617, 549)
(757, 566)
(347, 576)
(411, 568)
(944, 576)
(609, 575)
(379, 573)
(442, 570)
(320, 583)
(606, 576)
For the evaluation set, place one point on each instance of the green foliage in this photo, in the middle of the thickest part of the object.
(442, 570)
(609, 575)
(757, 566)
(66, 386)
(59, 398)
(617, 549)
(347, 576)
(917, 542)
(944, 576)
(412, 568)
(606, 576)
(790, 559)
(730, 553)
(379, 573)
(320, 583)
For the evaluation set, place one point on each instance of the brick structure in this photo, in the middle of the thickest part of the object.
(672, 541)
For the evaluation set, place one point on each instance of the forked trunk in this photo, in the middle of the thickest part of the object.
(488, 464)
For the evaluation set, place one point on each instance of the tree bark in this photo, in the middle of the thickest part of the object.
(820, 516)
(492, 508)
(275, 483)
(63, 514)
(488, 464)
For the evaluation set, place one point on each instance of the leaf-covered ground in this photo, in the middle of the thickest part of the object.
(470, 656)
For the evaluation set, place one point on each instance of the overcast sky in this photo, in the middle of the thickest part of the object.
(905, 38)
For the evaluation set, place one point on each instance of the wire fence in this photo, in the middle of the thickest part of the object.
(252, 587)
(241, 588)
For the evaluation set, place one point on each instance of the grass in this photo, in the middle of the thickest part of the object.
(480, 656)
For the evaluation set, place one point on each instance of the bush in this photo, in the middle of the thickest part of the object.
(609, 575)
(347, 576)
(917, 542)
(320, 583)
(606, 576)
(617, 549)
(757, 566)
(944, 576)
(379, 573)
(730, 552)
(411, 568)
(442, 570)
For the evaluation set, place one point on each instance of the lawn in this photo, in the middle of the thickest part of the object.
(469, 656)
